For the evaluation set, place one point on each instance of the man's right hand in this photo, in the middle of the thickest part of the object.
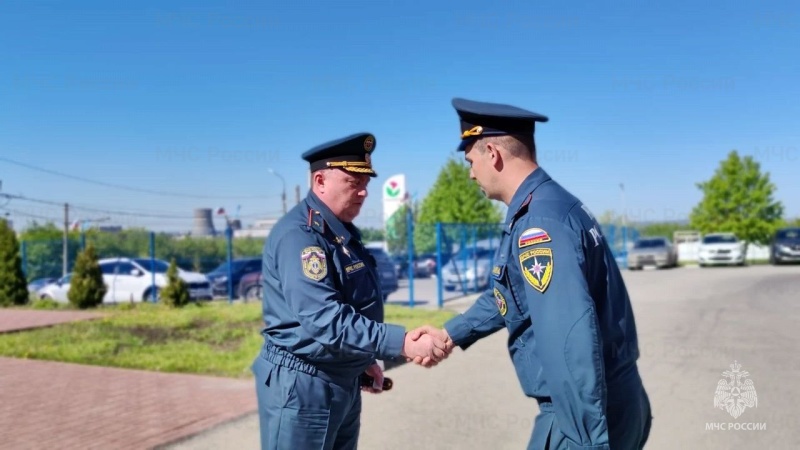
(426, 348)
(440, 340)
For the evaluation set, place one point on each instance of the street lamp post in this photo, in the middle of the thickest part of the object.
(624, 225)
(283, 182)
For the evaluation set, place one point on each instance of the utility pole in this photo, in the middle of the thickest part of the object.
(65, 243)
(296, 194)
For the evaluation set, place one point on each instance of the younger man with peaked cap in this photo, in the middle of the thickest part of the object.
(556, 289)
(323, 310)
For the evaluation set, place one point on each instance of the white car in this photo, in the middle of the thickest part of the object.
(132, 280)
(56, 291)
(722, 249)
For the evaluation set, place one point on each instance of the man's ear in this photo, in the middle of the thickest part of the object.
(318, 180)
(494, 153)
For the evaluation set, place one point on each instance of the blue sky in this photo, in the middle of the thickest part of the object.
(201, 99)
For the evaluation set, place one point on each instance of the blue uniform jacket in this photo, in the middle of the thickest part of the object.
(322, 299)
(560, 294)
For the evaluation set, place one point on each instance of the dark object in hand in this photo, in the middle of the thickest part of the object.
(367, 381)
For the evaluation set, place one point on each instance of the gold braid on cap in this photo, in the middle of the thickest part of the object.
(348, 164)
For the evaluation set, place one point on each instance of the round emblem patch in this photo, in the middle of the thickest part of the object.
(369, 143)
(315, 265)
(501, 302)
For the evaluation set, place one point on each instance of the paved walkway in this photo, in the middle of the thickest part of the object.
(24, 319)
(58, 405)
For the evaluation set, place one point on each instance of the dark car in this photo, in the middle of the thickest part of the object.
(39, 283)
(386, 272)
(239, 268)
(785, 246)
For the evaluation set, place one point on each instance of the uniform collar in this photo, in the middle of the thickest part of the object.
(523, 196)
(339, 229)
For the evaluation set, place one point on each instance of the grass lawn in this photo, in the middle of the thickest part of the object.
(212, 339)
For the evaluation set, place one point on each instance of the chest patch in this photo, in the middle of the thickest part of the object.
(501, 302)
(355, 267)
(533, 236)
(537, 267)
(315, 265)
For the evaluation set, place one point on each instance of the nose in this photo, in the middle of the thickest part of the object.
(471, 174)
(363, 193)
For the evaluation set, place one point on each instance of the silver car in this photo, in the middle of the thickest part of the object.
(652, 251)
(470, 269)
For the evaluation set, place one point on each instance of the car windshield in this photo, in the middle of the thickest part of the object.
(720, 239)
(151, 265)
(791, 234)
(649, 243)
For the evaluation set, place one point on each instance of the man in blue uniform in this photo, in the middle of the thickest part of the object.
(557, 290)
(323, 310)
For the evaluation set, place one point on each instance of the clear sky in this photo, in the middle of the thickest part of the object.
(202, 99)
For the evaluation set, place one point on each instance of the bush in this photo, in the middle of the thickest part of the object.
(13, 287)
(86, 288)
(46, 303)
(176, 293)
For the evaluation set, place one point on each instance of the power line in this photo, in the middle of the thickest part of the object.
(128, 188)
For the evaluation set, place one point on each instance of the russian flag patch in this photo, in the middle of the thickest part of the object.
(533, 236)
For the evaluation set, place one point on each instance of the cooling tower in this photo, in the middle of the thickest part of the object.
(203, 222)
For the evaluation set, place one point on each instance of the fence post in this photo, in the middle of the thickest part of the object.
(229, 238)
(410, 236)
(23, 254)
(153, 295)
(475, 255)
(439, 292)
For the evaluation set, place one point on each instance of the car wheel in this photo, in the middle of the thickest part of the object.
(253, 293)
(146, 297)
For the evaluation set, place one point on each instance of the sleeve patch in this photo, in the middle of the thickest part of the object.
(315, 265)
(537, 267)
(533, 236)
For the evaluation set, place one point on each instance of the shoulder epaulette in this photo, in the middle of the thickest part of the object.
(315, 221)
(523, 208)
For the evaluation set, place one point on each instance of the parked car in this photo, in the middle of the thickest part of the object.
(652, 251)
(239, 268)
(57, 290)
(469, 269)
(721, 249)
(386, 271)
(422, 266)
(35, 285)
(131, 279)
(785, 246)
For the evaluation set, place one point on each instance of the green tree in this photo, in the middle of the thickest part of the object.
(397, 231)
(13, 287)
(738, 198)
(86, 287)
(175, 293)
(454, 198)
(371, 234)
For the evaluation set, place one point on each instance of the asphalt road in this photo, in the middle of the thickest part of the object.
(693, 324)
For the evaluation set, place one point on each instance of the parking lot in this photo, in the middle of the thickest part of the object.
(693, 325)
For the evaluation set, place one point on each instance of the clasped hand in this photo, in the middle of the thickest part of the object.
(427, 346)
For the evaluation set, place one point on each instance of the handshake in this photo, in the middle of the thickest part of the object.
(427, 346)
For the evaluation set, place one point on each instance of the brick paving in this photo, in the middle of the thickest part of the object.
(24, 319)
(45, 405)
(65, 406)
